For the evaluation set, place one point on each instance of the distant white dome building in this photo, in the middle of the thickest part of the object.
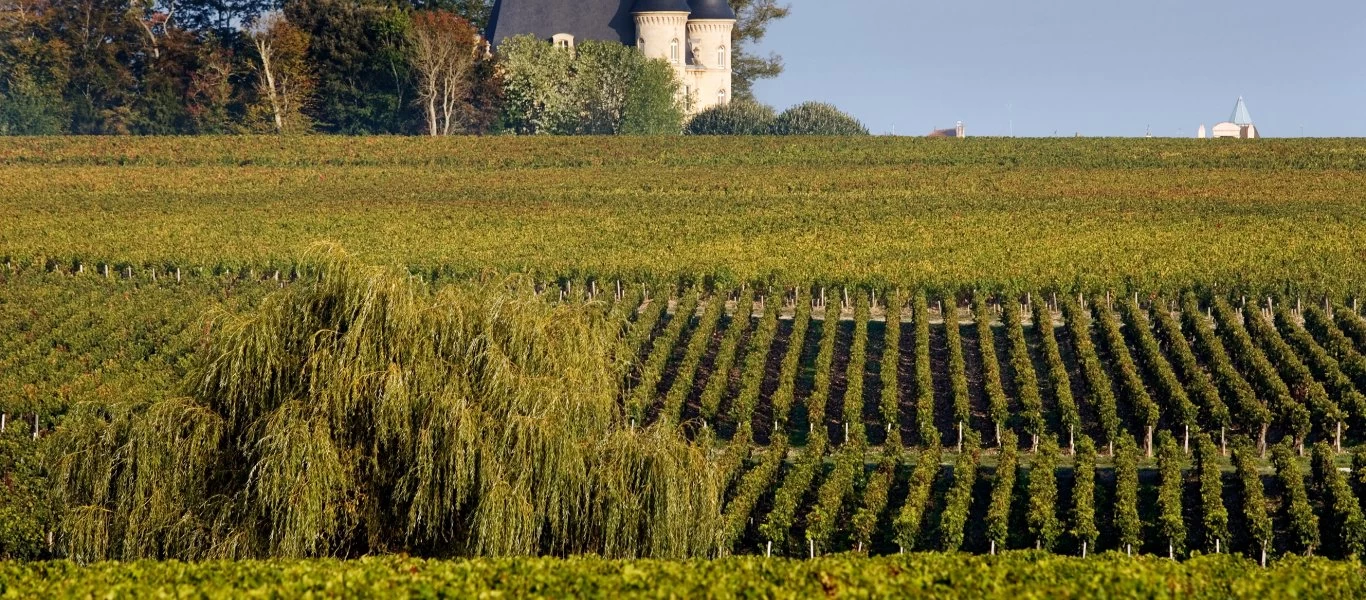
(1238, 126)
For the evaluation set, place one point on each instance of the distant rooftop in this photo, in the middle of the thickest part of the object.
(1240, 115)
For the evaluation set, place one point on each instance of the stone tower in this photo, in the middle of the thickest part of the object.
(691, 35)
(709, 72)
(694, 37)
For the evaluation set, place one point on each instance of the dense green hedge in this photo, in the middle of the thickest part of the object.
(1015, 575)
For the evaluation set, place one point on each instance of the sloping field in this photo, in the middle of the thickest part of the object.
(786, 348)
(1100, 214)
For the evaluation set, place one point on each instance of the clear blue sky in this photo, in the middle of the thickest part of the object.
(1098, 67)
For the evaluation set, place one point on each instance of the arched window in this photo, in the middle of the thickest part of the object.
(673, 52)
(721, 97)
(640, 43)
(721, 57)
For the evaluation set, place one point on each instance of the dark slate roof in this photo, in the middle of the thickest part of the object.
(661, 6)
(711, 9)
(609, 20)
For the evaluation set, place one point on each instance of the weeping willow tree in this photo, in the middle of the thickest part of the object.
(363, 411)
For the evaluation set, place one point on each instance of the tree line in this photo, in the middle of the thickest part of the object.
(356, 67)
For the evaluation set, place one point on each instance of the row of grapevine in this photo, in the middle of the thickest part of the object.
(1213, 513)
(652, 370)
(1251, 412)
(687, 370)
(824, 374)
(1002, 492)
(1084, 527)
(1262, 374)
(997, 408)
(958, 501)
(1059, 382)
(1324, 370)
(739, 511)
(889, 405)
(1337, 344)
(1078, 325)
(1171, 524)
(752, 373)
(1256, 519)
(957, 366)
(1196, 380)
(1354, 326)
(1026, 380)
(1303, 523)
(909, 521)
(719, 380)
(1343, 516)
(1298, 379)
(786, 393)
(1042, 517)
(924, 382)
(858, 363)
(1131, 384)
(877, 492)
(1181, 412)
(787, 500)
(833, 497)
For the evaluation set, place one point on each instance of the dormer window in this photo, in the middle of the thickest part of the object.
(563, 41)
(673, 52)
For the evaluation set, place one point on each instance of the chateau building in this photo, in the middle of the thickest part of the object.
(692, 35)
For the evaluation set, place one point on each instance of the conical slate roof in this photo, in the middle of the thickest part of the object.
(584, 19)
(711, 9)
(661, 6)
(1240, 116)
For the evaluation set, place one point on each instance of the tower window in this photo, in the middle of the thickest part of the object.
(721, 97)
(721, 57)
(673, 52)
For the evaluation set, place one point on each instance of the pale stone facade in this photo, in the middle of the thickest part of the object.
(692, 35)
(708, 78)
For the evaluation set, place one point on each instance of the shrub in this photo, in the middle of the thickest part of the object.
(816, 118)
(741, 117)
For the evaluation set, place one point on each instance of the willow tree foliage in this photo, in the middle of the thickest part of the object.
(363, 411)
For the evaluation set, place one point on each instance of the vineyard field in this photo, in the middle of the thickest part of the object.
(685, 367)
(829, 408)
(1083, 215)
